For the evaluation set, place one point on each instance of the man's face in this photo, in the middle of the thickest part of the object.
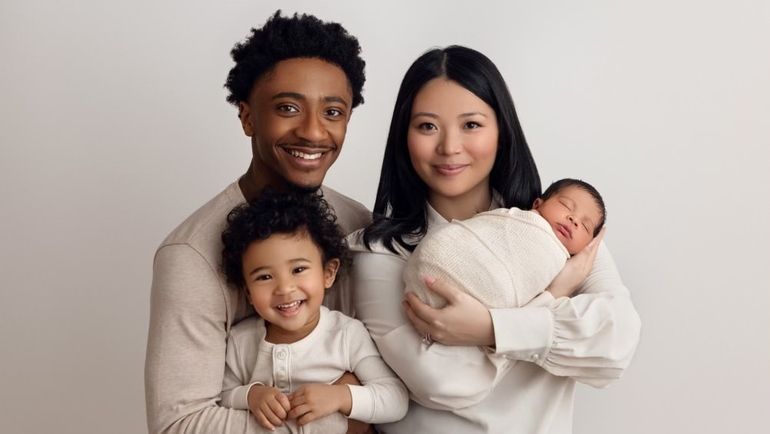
(297, 116)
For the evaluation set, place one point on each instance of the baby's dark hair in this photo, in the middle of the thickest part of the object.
(298, 36)
(280, 213)
(561, 184)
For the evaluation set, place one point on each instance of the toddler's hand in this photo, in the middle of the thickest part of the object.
(269, 406)
(314, 401)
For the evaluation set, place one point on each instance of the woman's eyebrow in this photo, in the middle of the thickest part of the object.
(428, 114)
(465, 115)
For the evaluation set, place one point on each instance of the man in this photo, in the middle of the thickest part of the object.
(295, 82)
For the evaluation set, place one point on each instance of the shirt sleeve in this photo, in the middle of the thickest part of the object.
(381, 397)
(185, 360)
(235, 389)
(440, 377)
(590, 337)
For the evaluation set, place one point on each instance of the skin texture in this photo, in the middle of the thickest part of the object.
(573, 215)
(441, 133)
(286, 280)
(452, 142)
(301, 105)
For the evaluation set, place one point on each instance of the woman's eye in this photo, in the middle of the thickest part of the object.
(427, 126)
(472, 125)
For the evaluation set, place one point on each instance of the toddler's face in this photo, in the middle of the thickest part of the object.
(573, 215)
(286, 279)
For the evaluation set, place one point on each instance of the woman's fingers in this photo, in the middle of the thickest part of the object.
(417, 321)
(440, 287)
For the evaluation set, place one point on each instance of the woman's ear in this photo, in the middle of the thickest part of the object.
(330, 272)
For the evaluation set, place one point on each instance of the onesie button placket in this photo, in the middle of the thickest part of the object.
(281, 361)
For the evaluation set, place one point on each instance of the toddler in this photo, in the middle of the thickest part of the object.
(284, 250)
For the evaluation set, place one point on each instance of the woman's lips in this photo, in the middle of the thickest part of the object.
(449, 169)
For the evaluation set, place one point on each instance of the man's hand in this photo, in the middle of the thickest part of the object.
(576, 269)
(269, 406)
(314, 401)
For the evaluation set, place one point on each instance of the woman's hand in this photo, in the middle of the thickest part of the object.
(463, 321)
(576, 269)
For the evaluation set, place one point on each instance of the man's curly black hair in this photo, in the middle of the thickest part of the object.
(298, 36)
(276, 212)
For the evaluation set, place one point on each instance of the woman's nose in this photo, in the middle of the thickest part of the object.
(449, 144)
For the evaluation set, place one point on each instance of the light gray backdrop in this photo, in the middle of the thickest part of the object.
(113, 128)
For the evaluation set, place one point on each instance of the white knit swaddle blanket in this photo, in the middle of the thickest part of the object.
(503, 258)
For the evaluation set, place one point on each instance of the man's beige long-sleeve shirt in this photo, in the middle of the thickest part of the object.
(191, 312)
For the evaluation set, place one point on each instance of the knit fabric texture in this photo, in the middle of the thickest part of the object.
(503, 258)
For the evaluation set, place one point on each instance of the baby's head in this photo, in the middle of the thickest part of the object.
(283, 250)
(575, 211)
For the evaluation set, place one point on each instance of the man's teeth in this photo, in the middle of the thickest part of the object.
(291, 305)
(305, 156)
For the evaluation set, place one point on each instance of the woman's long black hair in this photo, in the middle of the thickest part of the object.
(400, 207)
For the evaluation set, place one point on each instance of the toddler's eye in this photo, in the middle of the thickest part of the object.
(263, 277)
(299, 269)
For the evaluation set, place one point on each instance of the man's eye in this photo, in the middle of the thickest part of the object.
(288, 108)
(334, 113)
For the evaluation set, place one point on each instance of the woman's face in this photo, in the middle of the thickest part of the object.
(452, 141)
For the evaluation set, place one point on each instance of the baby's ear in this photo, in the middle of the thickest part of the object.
(536, 204)
(330, 272)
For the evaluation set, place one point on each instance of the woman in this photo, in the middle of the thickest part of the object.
(455, 148)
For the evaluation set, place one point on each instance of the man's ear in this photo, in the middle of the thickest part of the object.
(244, 114)
(536, 204)
(330, 272)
